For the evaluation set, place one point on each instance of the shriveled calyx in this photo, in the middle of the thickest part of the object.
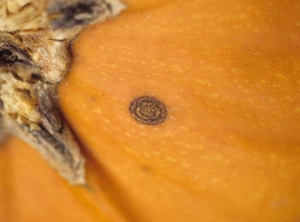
(34, 57)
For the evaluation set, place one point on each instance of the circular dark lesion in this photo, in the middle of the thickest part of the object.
(148, 110)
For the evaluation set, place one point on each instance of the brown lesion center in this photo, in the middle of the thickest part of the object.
(148, 110)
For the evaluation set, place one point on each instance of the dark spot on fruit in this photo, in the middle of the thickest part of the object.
(148, 110)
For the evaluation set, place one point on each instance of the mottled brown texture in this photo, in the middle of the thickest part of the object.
(34, 57)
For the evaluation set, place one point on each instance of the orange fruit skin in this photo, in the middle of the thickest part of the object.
(229, 150)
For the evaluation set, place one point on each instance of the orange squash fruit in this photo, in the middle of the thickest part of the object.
(229, 150)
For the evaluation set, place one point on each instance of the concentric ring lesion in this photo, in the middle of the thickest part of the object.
(148, 110)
